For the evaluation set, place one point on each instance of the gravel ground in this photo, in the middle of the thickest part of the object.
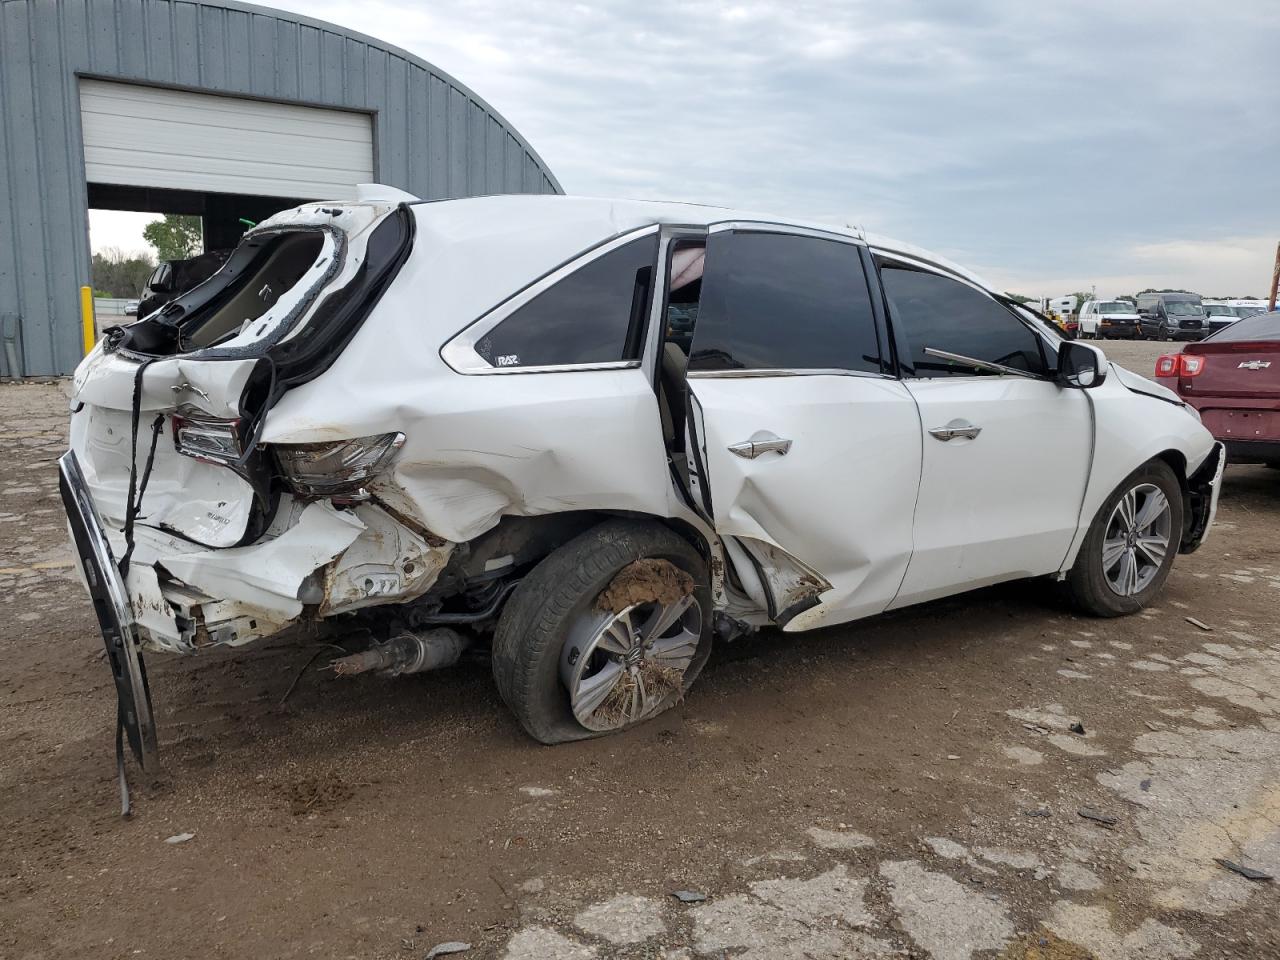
(903, 786)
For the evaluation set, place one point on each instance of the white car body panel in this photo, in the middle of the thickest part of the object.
(1130, 429)
(1006, 503)
(842, 503)
(840, 500)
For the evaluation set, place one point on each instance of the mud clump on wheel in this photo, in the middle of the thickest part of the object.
(660, 682)
(648, 580)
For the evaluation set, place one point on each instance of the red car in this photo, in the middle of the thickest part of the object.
(1233, 378)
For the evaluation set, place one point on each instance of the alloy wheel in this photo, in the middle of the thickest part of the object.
(622, 668)
(1137, 540)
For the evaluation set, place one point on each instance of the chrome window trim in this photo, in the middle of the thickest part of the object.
(785, 372)
(460, 355)
(769, 226)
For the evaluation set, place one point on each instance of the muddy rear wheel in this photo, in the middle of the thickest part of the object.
(608, 631)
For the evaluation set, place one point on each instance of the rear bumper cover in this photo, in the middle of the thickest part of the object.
(1253, 451)
(1203, 488)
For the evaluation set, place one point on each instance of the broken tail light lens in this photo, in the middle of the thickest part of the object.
(207, 438)
(336, 468)
(1180, 365)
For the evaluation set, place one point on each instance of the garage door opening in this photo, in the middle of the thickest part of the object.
(230, 161)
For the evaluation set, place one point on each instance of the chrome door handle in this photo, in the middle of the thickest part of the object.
(768, 443)
(956, 430)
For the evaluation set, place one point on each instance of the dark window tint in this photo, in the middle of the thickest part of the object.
(929, 310)
(771, 301)
(594, 315)
(1260, 326)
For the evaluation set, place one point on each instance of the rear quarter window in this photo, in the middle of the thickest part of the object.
(593, 315)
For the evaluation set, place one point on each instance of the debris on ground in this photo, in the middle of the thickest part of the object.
(180, 838)
(1038, 812)
(444, 949)
(1044, 946)
(1090, 814)
(1077, 727)
(1198, 623)
(1249, 873)
(649, 580)
(314, 794)
(689, 896)
(660, 682)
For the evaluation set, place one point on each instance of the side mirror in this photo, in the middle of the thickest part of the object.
(1081, 365)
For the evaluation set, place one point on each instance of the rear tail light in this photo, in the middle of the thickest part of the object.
(336, 469)
(207, 438)
(1180, 365)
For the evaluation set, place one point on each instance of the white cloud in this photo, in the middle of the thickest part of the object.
(1037, 142)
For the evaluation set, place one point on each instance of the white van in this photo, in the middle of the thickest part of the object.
(1104, 319)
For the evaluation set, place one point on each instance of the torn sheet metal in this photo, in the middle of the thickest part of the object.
(268, 576)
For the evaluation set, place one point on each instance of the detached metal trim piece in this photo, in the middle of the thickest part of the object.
(115, 617)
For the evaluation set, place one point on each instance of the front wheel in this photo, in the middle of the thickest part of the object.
(1129, 549)
(607, 631)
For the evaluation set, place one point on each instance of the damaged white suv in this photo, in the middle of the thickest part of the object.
(605, 432)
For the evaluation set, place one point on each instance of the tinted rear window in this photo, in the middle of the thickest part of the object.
(1261, 326)
(594, 315)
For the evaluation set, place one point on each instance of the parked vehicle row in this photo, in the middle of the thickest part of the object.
(606, 433)
(1158, 316)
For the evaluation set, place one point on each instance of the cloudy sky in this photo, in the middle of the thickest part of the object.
(1049, 147)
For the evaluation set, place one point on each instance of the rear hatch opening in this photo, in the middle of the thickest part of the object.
(168, 411)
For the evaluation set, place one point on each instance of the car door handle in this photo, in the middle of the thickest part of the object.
(956, 430)
(767, 443)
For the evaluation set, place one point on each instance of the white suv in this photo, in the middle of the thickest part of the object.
(606, 432)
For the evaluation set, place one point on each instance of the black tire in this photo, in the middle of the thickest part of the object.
(1087, 585)
(534, 623)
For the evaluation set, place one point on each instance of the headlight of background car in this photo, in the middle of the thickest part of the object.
(338, 468)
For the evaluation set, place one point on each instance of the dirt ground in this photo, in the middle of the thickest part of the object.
(904, 786)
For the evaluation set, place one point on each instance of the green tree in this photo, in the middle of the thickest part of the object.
(176, 237)
(117, 274)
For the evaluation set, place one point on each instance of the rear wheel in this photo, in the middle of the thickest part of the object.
(608, 631)
(1129, 549)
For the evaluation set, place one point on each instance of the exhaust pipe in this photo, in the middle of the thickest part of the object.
(408, 652)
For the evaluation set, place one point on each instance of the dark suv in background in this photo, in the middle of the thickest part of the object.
(1171, 316)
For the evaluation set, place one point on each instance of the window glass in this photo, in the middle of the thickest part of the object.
(773, 301)
(929, 310)
(594, 315)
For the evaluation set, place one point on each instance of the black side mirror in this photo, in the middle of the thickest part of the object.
(1081, 365)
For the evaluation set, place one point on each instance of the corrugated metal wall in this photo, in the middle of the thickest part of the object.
(432, 136)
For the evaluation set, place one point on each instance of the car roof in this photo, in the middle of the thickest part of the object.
(617, 216)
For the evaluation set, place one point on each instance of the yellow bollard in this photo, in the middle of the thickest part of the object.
(88, 327)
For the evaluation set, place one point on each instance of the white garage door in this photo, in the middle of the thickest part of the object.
(151, 137)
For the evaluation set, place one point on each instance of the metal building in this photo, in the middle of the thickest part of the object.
(211, 107)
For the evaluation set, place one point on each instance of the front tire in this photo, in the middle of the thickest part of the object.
(570, 670)
(1129, 549)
